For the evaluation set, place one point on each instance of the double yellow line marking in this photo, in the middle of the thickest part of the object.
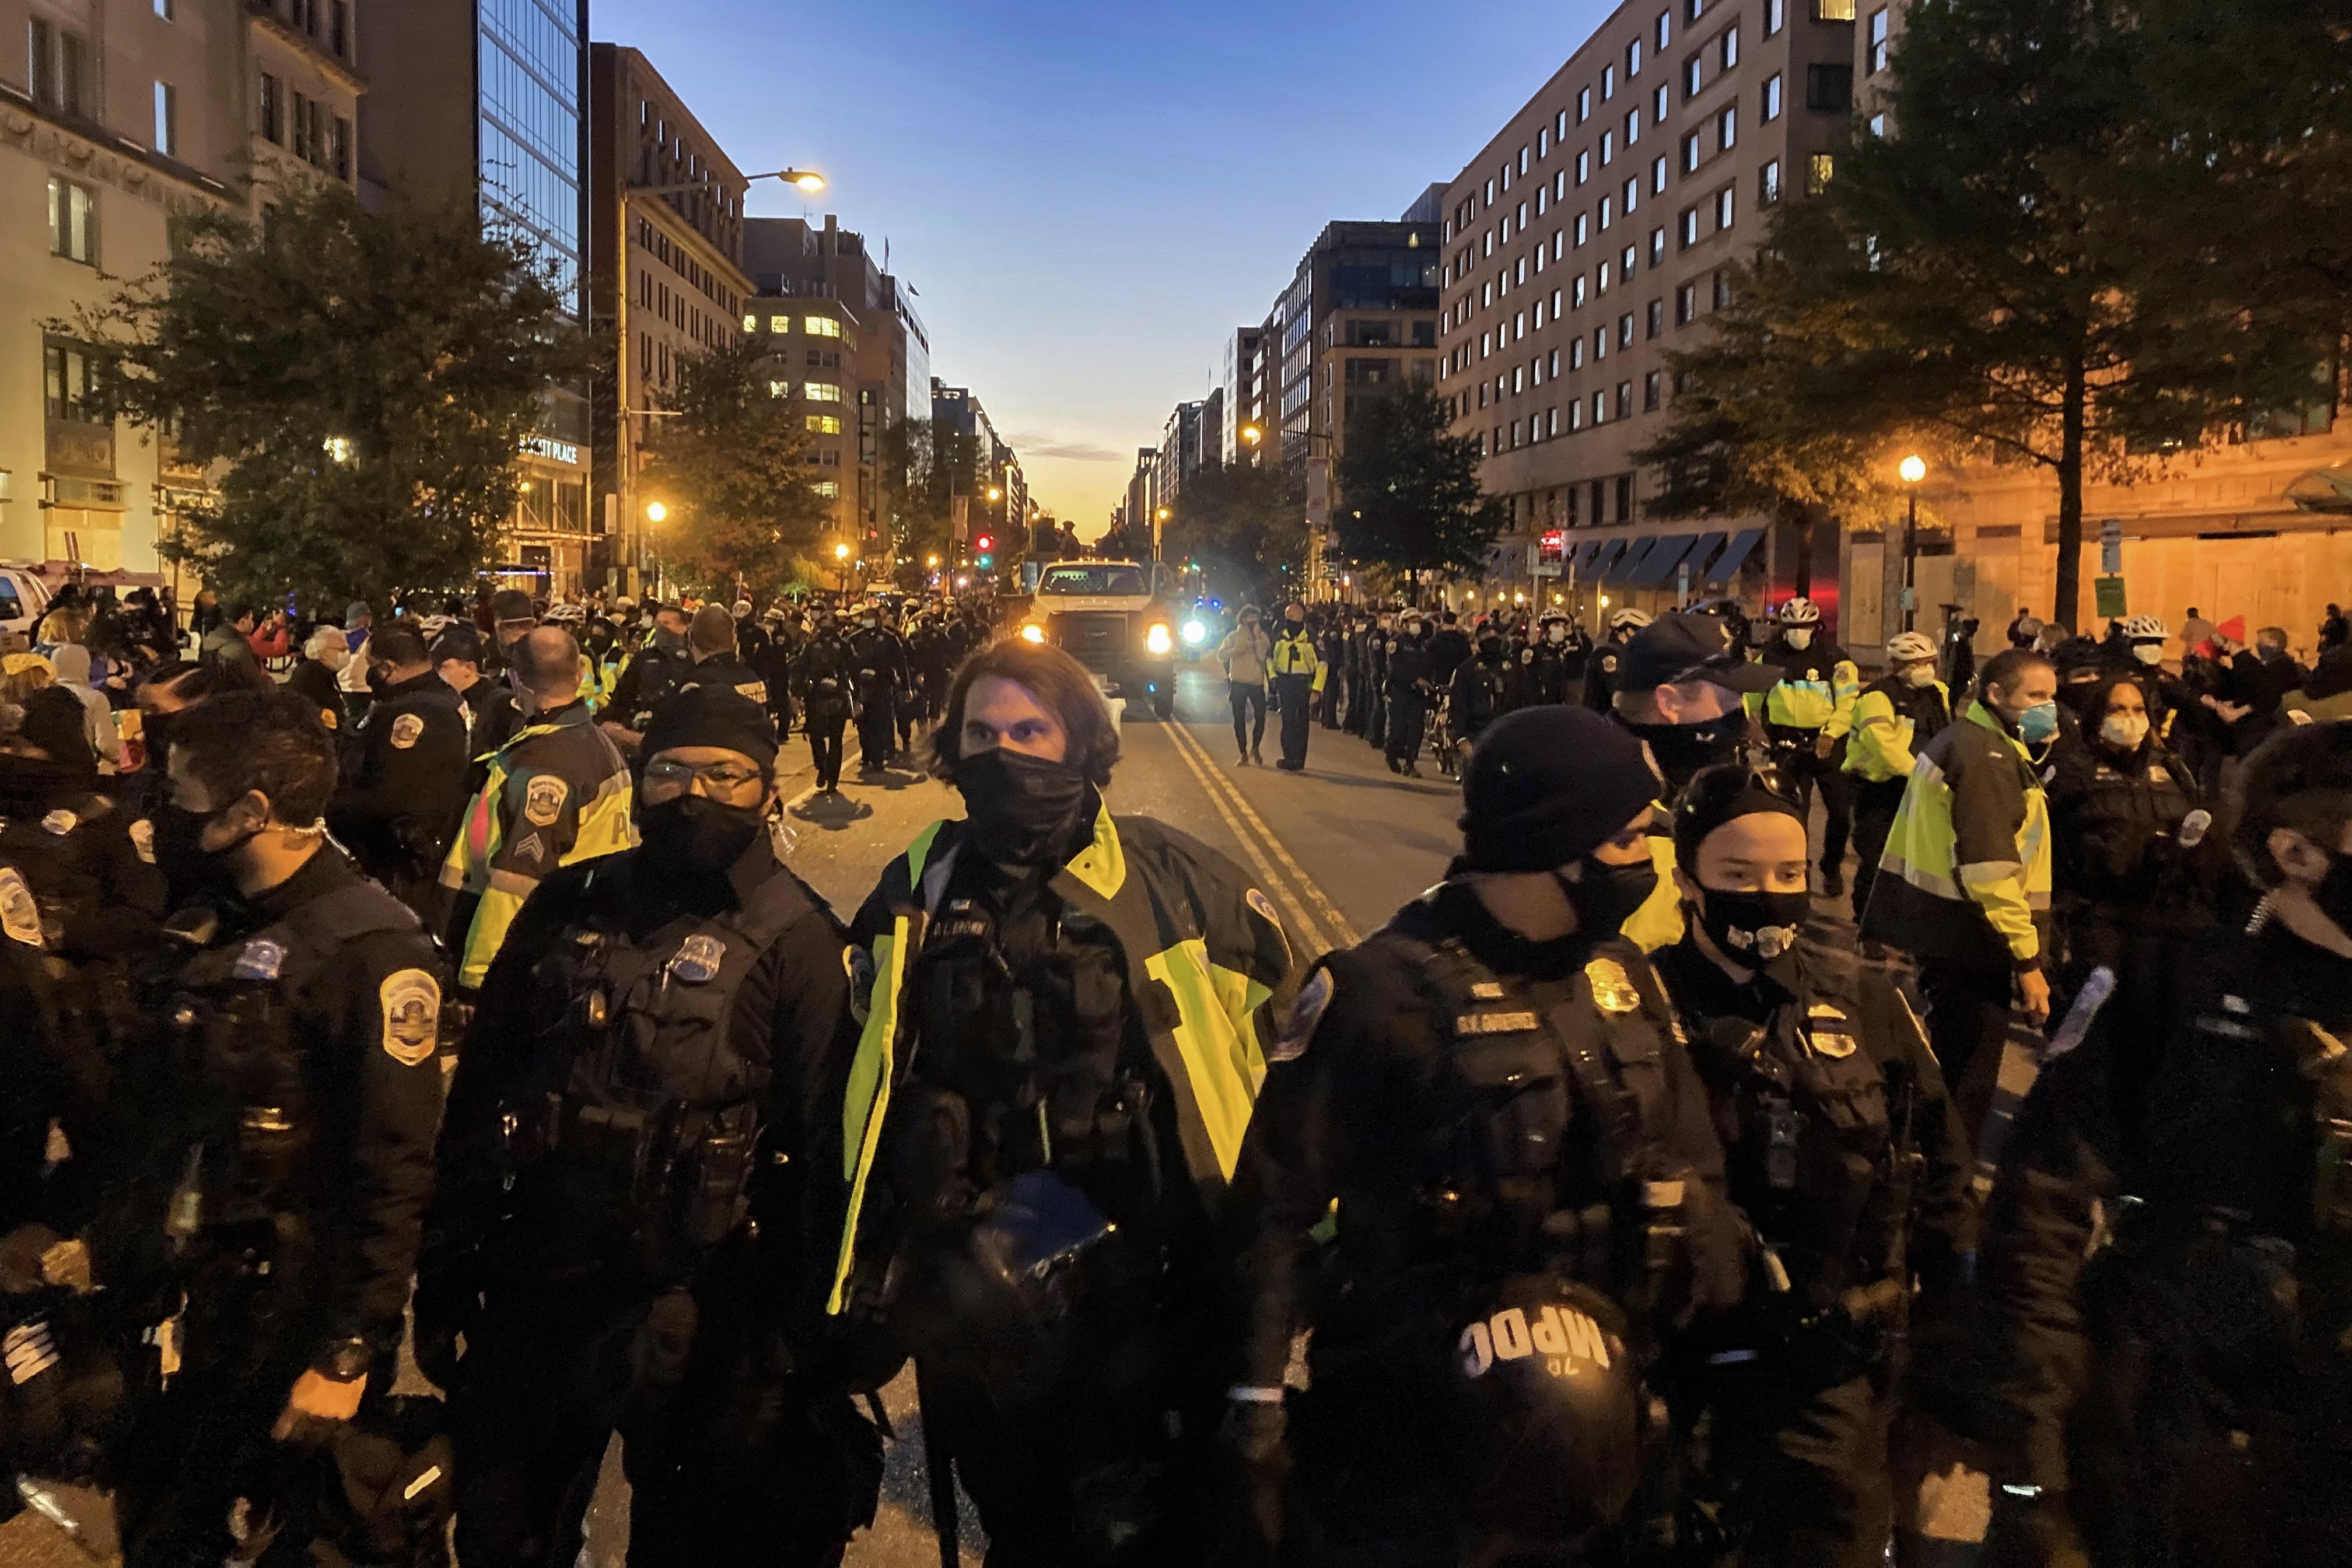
(1313, 917)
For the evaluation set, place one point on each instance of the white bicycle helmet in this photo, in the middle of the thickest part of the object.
(2144, 628)
(1628, 620)
(1909, 647)
(566, 614)
(1801, 613)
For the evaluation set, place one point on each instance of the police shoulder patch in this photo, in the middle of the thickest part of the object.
(20, 917)
(407, 728)
(412, 1015)
(859, 962)
(1305, 1012)
(698, 958)
(142, 839)
(544, 798)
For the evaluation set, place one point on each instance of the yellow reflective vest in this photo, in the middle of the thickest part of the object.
(1294, 654)
(1208, 964)
(1885, 732)
(558, 791)
(1966, 875)
(1817, 690)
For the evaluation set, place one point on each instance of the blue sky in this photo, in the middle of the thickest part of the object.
(1088, 196)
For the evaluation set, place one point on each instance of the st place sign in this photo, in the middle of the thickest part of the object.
(562, 452)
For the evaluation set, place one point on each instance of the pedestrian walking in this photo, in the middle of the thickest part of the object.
(1245, 654)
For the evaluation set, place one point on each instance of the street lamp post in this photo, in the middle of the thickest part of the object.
(623, 422)
(1913, 468)
(841, 568)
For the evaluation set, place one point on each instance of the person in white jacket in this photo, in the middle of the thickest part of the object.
(1244, 652)
(71, 662)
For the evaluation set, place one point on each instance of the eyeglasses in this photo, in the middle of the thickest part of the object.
(727, 777)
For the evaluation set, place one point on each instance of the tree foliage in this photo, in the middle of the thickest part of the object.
(1244, 525)
(731, 464)
(366, 379)
(1408, 495)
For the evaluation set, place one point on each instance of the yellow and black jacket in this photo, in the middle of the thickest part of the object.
(1967, 872)
(557, 794)
(1817, 690)
(1294, 654)
(1886, 724)
(1207, 964)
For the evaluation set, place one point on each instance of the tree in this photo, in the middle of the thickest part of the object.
(367, 378)
(2006, 289)
(1245, 525)
(732, 466)
(1409, 497)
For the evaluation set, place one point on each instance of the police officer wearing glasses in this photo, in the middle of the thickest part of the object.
(1529, 1197)
(1846, 1156)
(622, 1192)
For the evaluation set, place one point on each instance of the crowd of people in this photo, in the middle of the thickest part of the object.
(1620, 1200)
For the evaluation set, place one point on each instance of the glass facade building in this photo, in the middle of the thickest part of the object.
(533, 72)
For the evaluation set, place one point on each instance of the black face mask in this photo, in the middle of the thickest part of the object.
(669, 641)
(1024, 810)
(1608, 895)
(1683, 748)
(1753, 928)
(697, 832)
(188, 867)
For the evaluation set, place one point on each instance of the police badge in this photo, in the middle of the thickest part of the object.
(1612, 988)
(20, 916)
(697, 959)
(261, 960)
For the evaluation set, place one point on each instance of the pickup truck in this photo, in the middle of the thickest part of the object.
(1118, 619)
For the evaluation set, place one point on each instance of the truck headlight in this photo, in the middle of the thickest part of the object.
(1033, 632)
(1195, 634)
(1158, 640)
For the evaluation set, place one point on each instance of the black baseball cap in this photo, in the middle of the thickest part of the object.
(1674, 649)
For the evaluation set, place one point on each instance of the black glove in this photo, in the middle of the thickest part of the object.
(447, 1303)
(1255, 1465)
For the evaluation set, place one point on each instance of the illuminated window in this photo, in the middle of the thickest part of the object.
(821, 326)
(820, 391)
(1832, 10)
(1820, 169)
(827, 490)
(825, 424)
(750, 323)
(73, 228)
(779, 324)
(779, 389)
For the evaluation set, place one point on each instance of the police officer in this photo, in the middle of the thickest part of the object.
(1896, 715)
(1562, 657)
(1379, 639)
(1479, 691)
(879, 663)
(1413, 682)
(1846, 1157)
(486, 706)
(653, 673)
(1807, 713)
(826, 680)
(1494, 1091)
(557, 793)
(269, 1214)
(1062, 1017)
(1600, 671)
(2175, 1320)
(409, 783)
(1299, 674)
(710, 637)
(623, 1209)
(1331, 651)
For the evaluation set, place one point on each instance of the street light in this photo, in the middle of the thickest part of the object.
(1251, 434)
(1913, 468)
(994, 493)
(656, 511)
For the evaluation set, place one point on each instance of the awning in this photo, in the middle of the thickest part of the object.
(1629, 563)
(1604, 557)
(2323, 489)
(1658, 565)
(1581, 562)
(1735, 555)
(1708, 543)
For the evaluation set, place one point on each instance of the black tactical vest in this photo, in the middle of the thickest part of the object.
(639, 1131)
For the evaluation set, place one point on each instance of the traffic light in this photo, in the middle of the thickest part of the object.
(984, 543)
(986, 563)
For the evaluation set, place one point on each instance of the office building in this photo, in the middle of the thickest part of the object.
(1179, 458)
(1593, 233)
(999, 506)
(1245, 401)
(485, 101)
(114, 120)
(1137, 510)
(883, 359)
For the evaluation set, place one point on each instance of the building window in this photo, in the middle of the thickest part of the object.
(1878, 125)
(1773, 97)
(1632, 126)
(1633, 191)
(1657, 247)
(1606, 206)
(1583, 227)
(1576, 354)
(1829, 89)
(164, 9)
(1692, 78)
(1625, 330)
(1626, 482)
(1583, 104)
(339, 28)
(1726, 48)
(1600, 345)
(339, 147)
(58, 61)
(1876, 45)
(1722, 282)
(1768, 183)
(1543, 142)
(68, 387)
(1555, 304)
(1599, 408)
(1689, 227)
(1727, 129)
(73, 221)
(1690, 150)
(1685, 304)
(1820, 169)
(1583, 167)
(1626, 264)
(273, 109)
(1665, 27)
(1660, 102)
(1634, 58)
(750, 323)
(820, 392)
(1832, 10)
(1559, 126)
(827, 490)
(1608, 83)
(1624, 411)
(1656, 318)
(1723, 209)
(1575, 423)
(1658, 175)
(1608, 147)
(1578, 293)
(1654, 392)
(1776, 17)
(820, 326)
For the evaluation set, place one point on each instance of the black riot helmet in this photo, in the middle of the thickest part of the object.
(1548, 1420)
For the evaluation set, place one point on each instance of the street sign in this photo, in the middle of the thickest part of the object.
(2111, 547)
(1549, 550)
(2110, 592)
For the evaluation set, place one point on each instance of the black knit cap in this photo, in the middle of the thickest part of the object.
(1547, 785)
(1722, 794)
(712, 716)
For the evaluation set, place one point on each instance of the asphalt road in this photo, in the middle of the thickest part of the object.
(1337, 848)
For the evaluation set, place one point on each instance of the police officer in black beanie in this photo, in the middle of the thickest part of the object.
(627, 1162)
(1846, 1156)
(1529, 1194)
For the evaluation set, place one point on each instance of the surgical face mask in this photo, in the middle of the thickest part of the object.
(1799, 637)
(1023, 810)
(1753, 927)
(1605, 897)
(1919, 675)
(1556, 633)
(335, 659)
(2038, 723)
(2148, 652)
(866, 621)
(2124, 732)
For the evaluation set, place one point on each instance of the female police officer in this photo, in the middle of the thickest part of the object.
(1846, 1157)
(1527, 1192)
